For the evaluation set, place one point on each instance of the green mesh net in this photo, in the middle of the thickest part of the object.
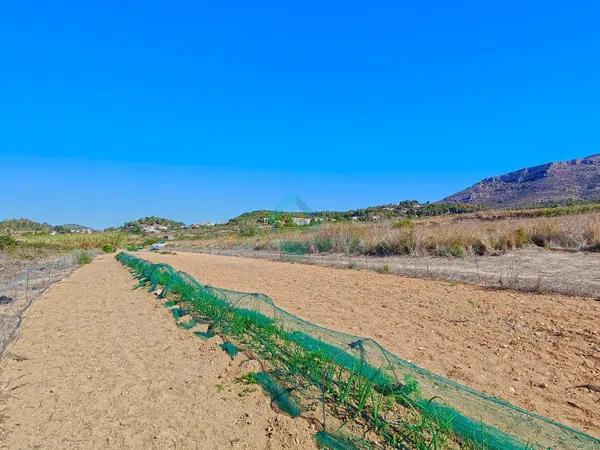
(352, 381)
(279, 394)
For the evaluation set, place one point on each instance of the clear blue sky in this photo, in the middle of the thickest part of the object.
(202, 110)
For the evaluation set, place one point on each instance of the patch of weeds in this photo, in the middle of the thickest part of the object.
(246, 391)
(323, 244)
(248, 228)
(249, 378)
(521, 237)
(479, 248)
(455, 250)
(355, 245)
(150, 241)
(294, 247)
(404, 223)
(108, 248)
(84, 258)
(7, 242)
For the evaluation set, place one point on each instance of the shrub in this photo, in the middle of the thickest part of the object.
(404, 223)
(247, 228)
(479, 248)
(323, 244)
(355, 245)
(294, 247)
(455, 249)
(394, 242)
(84, 258)
(108, 248)
(150, 241)
(7, 241)
(521, 237)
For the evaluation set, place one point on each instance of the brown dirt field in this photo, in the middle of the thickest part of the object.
(530, 349)
(98, 365)
(529, 269)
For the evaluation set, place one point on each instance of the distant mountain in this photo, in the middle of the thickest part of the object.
(551, 183)
(23, 226)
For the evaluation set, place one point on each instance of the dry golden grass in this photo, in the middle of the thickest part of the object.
(443, 236)
(73, 241)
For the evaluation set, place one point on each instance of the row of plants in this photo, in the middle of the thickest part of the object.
(354, 392)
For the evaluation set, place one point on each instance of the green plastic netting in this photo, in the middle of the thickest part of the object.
(319, 355)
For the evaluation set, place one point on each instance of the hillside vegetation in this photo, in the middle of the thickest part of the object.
(574, 227)
(136, 226)
(407, 208)
(24, 226)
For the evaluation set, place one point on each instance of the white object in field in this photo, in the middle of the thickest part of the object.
(158, 246)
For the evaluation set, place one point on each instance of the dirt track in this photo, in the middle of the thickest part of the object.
(98, 365)
(530, 349)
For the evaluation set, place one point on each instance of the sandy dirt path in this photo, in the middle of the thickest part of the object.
(98, 365)
(530, 349)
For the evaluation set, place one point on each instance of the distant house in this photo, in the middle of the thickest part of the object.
(150, 229)
(154, 229)
(301, 221)
(206, 224)
(81, 230)
(354, 218)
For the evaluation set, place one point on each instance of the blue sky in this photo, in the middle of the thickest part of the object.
(202, 110)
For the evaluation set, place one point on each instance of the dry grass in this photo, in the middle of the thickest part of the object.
(443, 236)
(36, 245)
